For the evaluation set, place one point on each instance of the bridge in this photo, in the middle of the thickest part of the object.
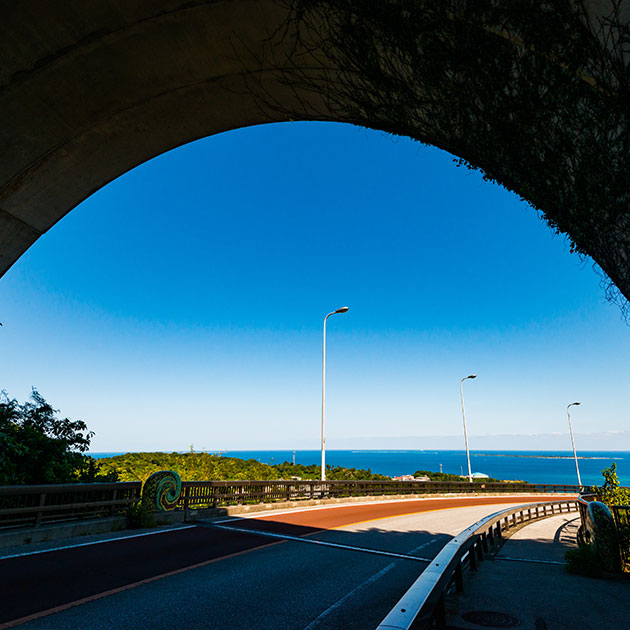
(535, 98)
(328, 566)
(304, 555)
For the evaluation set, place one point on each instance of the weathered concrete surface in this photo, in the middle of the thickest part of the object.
(88, 90)
(540, 595)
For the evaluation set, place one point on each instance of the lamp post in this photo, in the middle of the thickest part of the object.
(343, 309)
(577, 468)
(461, 391)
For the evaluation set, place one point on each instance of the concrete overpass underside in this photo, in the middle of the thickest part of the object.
(536, 94)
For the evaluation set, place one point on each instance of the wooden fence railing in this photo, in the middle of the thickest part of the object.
(203, 494)
(34, 505)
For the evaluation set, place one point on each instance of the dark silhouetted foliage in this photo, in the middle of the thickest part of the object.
(36, 446)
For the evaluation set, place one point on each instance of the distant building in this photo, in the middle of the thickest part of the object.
(410, 478)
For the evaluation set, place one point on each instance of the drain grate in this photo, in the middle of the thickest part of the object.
(491, 619)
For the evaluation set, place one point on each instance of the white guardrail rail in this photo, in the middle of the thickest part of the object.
(423, 605)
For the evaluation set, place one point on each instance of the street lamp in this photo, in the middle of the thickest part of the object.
(461, 391)
(343, 309)
(577, 468)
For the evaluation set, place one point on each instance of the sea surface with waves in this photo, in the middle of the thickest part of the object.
(533, 466)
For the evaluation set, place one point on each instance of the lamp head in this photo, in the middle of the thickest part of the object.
(343, 309)
(575, 403)
(472, 376)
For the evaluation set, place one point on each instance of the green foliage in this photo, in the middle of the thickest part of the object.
(206, 466)
(39, 447)
(611, 493)
(584, 561)
(438, 476)
(138, 517)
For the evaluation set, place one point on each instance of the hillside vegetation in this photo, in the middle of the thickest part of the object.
(207, 466)
(438, 476)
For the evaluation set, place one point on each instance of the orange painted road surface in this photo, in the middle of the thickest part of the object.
(329, 517)
(33, 586)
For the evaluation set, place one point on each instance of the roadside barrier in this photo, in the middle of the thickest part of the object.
(22, 506)
(423, 605)
(34, 505)
(203, 494)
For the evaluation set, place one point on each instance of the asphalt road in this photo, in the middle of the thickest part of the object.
(327, 568)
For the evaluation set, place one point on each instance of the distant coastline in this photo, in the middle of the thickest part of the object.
(541, 456)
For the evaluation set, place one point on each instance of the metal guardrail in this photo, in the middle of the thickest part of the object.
(583, 500)
(203, 494)
(34, 505)
(423, 605)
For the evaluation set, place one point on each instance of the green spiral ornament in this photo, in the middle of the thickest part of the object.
(161, 491)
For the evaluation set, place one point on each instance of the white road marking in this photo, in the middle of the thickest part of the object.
(528, 560)
(321, 618)
(340, 602)
(97, 542)
(323, 543)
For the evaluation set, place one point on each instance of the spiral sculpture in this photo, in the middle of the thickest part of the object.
(161, 491)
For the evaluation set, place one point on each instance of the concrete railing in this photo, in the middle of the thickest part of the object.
(423, 605)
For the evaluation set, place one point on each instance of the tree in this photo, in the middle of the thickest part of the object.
(36, 446)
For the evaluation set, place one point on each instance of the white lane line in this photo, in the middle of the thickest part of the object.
(323, 543)
(528, 560)
(423, 545)
(339, 603)
(97, 542)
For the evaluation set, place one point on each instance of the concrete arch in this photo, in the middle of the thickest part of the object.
(90, 90)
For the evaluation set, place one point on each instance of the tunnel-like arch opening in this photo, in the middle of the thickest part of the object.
(534, 95)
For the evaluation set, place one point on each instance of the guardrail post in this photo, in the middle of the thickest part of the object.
(186, 500)
(112, 509)
(459, 578)
(440, 613)
(42, 502)
(484, 542)
(472, 558)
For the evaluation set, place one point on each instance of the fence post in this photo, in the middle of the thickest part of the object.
(112, 509)
(42, 502)
(472, 557)
(459, 578)
(186, 496)
(440, 613)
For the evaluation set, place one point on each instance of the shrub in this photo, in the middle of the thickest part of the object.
(611, 493)
(584, 561)
(138, 517)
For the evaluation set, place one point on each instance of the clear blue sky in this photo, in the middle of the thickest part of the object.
(183, 303)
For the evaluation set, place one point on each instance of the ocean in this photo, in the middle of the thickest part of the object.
(533, 466)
